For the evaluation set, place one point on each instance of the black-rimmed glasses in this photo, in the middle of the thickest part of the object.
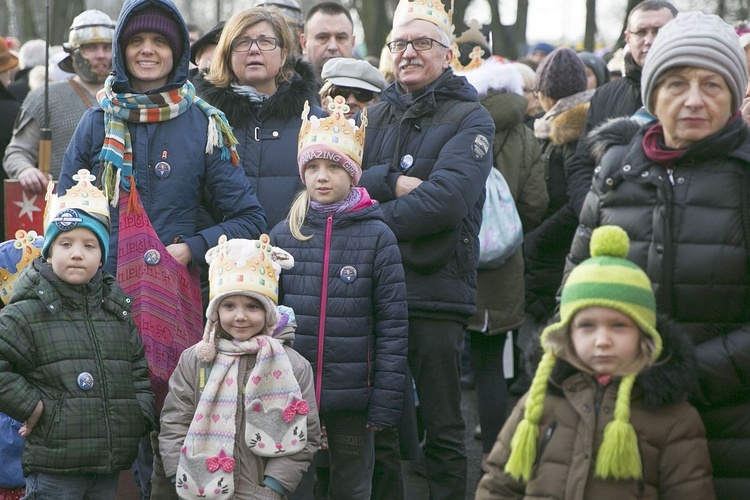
(264, 43)
(361, 95)
(419, 44)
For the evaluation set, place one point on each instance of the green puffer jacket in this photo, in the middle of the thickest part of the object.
(50, 333)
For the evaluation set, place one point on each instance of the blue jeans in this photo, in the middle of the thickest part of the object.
(42, 486)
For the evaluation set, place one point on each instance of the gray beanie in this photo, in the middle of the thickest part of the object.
(561, 74)
(697, 40)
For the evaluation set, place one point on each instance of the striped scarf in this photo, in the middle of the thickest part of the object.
(117, 152)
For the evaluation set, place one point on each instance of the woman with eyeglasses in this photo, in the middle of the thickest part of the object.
(258, 81)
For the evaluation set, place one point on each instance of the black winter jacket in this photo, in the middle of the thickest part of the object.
(689, 228)
(51, 333)
(621, 97)
(443, 136)
(350, 275)
(268, 135)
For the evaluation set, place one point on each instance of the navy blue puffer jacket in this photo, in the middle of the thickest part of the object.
(353, 331)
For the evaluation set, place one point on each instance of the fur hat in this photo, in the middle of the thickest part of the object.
(83, 205)
(156, 20)
(242, 267)
(607, 279)
(561, 74)
(696, 40)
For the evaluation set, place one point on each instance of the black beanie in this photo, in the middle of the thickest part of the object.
(561, 74)
(155, 20)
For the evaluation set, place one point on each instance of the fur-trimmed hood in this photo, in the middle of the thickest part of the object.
(568, 125)
(672, 378)
(613, 132)
(286, 103)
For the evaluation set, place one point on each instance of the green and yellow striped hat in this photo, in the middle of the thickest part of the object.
(607, 279)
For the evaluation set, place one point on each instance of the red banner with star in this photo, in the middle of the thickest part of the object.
(22, 210)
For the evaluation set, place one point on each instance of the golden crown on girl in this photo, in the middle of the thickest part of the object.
(247, 265)
(335, 131)
(428, 10)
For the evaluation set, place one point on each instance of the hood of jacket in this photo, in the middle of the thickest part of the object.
(447, 86)
(671, 379)
(179, 74)
(285, 104)
(613, 132)
(506, 109)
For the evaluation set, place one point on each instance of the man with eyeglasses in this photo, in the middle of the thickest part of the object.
(621, 97)
(329, 33)
(359, 82)
(90, 56)
(427, 155)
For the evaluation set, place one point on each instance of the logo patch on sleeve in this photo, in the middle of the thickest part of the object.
(481, 147)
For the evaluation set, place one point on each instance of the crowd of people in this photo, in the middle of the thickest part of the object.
(261, 272)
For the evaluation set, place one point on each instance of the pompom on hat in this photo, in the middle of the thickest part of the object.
(242, 267)
(697, 40)
(607, 279)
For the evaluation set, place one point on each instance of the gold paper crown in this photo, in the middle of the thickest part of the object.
(240, 265)
(335, 130)
(429, 10)
(473, 35)
(17, 253)
(83, 196)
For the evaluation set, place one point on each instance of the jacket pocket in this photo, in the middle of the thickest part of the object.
(429, 254)
(54, 417)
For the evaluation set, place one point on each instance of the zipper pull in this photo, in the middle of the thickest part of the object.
(670, 174)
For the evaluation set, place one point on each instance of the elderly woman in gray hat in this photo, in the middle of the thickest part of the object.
(680, 187)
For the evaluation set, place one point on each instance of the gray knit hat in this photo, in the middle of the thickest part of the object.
(561, 74)
(696, 40)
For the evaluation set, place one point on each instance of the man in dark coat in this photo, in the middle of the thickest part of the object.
(621, 97)
(427, 155)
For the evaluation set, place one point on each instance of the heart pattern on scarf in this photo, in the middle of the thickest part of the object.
(229, 382)
(256, 380)
(215, 417)
(277, 374)
(198, 417)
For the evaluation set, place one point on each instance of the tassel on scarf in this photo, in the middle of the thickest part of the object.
(133, 205)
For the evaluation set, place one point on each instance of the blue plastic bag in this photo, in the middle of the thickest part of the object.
(501, 233)
(11, 448)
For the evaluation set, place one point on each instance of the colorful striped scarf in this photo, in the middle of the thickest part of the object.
(117, 152)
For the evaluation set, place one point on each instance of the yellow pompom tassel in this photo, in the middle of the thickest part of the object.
(523, 451)
(618, 455)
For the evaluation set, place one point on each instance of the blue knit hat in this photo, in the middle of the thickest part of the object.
(83, 205)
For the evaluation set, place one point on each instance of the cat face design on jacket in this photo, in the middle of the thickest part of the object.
(274, 431)
(205, 476)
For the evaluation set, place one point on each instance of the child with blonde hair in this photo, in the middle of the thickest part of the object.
(240, 419)
(606, 415)
(347, 289)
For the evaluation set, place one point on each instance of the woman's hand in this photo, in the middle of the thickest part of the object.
(181, 252)
(31, 422)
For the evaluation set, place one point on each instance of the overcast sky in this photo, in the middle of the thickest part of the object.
(562, 21)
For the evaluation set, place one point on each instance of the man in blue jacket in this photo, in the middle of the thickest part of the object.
(427, 155)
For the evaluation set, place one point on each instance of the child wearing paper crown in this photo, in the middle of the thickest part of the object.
(240, 419)
(347, 289)
(606, 415)
(72, 364)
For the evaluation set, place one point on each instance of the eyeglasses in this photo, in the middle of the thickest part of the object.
(264, 43)
(644, 32)
(361, 95)
(419, 44)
